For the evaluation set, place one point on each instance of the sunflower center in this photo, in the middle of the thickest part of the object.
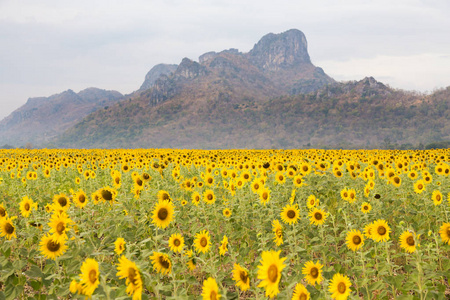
(256, 186)
(92, 276)
(243, 276)
(203, 242)
(132, 275)
(139, 182)
(2, 212)
(303, 297)
(448, 232)
(356, 240)
(314, 273)
(366, 207)
(213, 295)
(410, 241)
(9, 229)
(117, 180)
(81, 199)
(162, 214)
(299, 181)
(209, 197)
(291, 214)
(176, 242)
(381, 230)
(62, 201)
(397, 180)
(265, 196)
(420, 186)
(60, 227)
(279, 233)
(107, 195)
(272, 273)
(164, 263)
(53, 246)
(341, 287)
(438, 197)
(318, 216)
(165, 196)
(146, 176)
(27, 206)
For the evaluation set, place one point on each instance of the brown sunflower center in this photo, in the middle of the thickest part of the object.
(92, 276)
(132, 274)
(366, 207)
(27, 206)
(438, 197)
(213, 295)
(60, 227)
(176, 242)
(397, 180)
(107, 195)
(291, 214)
(303, 296)
(164, 263)
(356, 240)
(162, 214)
(272, 273)
(314, 272)
(299, 180)
(139, 182)
(420, 186)
(381, 230)
(256, 186)
(203, 242)
(53, 246)
(243, 276)
(265, 196)
(165, 196)
(318, 216)
(209, 197)
(410, 241)
(9, 229)
(117, 180)
(448, 232)
(81, 198)
(279, 233)
(62, 201)
(341, 287)
(2, 212)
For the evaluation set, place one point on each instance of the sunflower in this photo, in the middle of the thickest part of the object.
(59, 224)
(50, 248)
(436, 196)
(119, 245)
(80, 199)
(161, 263)
(313, 272)
(339, 287)
(264, 196)
(89, 277)
(380, 231)
(191, 262)
(107, 194)
(419, 186)
(241, 277)
(128, 269)
(163, 213)
(256, 186)
(209, 197)
(351, 195)
(26, 205)
(196, 198)
(354, 239)
(344, 194)
(163, 195)
(3, 213)
(226, 212)
(61, 202)
(407, 241)
(278, 232)
(290, 214)
(298, 181)
(210, 290)
(396, 181)
(317, 216)
(280, 178)
(312, 201)
(270, 272)
(7, 228)
(223, 246)
(300, 292)
(202, 241)
(176, 242)
(366, 207)
(444, 231)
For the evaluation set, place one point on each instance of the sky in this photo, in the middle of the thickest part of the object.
(47, 47)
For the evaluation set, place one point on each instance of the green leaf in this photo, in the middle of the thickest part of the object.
(34, 272)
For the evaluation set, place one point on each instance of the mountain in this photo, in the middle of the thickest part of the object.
(41, 119)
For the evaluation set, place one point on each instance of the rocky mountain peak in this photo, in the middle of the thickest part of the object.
(190, 69)
(278, 51)
(155, 73)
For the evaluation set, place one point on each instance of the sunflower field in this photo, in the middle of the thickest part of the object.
(224, 224)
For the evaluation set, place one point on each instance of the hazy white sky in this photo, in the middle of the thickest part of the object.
(47, 47)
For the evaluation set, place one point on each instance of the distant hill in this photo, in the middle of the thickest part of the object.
(41, 119)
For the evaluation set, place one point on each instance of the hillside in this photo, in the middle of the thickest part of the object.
(41, 119)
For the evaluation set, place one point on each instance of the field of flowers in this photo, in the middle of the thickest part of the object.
(231, 224)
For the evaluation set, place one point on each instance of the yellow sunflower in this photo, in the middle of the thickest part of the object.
(312, 201)
(163, 214)
(119, 245)
(163, 195)
(7, 228)
(176, 242)
(210, 290)
(437, 197)
(129, 270)
(191, 262)
(209, 197)
(313, 272)
(161, 263)
(80, 199)
(61, 202)
(339, 287)
(223, 245)
(241, 277)
(270, 272)
(419, 186)
(59, 224)
(3, 212)
(26, 205)
(317, 216)
(407, 241)
(278, 232)
(354, 239)
(50, 248)
(280, 177)
(226, 212)
(89, 277)
(196, 198)
(298, 181)
(366, 207)
(344, 194)
(444, 231)
(264, 196)
(290, 214)
(300, 292)
(202, 241)
(380, 231)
